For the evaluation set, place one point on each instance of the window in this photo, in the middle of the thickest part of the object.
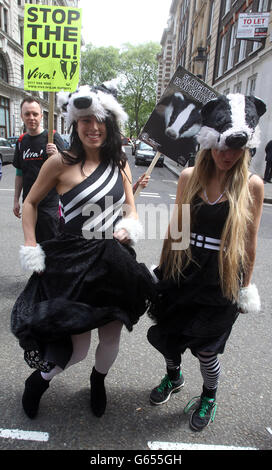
(211, 19)
(242, 50)
(238, 87)
(251, 85)
(227, 7)
(263, 6)
(5, 20)
(3, 69)
(232, 46)
(222, 56)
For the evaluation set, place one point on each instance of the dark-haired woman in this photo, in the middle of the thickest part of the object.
(88, 276)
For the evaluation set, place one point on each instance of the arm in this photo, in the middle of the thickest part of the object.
(249, 300)
(17, 194)
(128, 228)
(256, 188)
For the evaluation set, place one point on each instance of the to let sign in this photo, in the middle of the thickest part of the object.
(52, 41)
(252, 25)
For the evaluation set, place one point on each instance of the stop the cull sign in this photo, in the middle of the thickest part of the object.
(52, 39)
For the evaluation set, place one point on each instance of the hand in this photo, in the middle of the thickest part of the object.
(16, 210)
(122, 236)
(143, 180)
(51, 149)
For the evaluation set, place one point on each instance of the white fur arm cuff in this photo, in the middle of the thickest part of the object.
(249, 300)
(32, 258)
(132, 226)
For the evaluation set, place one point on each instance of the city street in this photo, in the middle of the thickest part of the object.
(64, 422)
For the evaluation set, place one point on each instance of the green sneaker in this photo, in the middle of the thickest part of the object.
(163, 392)
(204, 412)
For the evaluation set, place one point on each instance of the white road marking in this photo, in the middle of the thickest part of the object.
(184, 446)
(24, 435)
(269, 430)
(169, 181)
(145, 194)
(3, 189)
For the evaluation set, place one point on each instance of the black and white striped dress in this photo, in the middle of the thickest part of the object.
(90, 279)
(95, 205)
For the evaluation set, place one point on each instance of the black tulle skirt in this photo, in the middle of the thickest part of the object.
(193, 313)
(86, 284)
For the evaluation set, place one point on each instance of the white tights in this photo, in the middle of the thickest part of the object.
(105, 354)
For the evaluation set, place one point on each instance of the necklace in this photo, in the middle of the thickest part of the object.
(212, 203)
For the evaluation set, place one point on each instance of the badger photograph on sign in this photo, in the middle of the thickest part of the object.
(175, 121)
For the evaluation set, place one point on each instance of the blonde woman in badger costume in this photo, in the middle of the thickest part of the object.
(87, 277)
(203, 289)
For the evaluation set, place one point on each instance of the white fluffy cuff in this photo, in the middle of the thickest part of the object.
(32, 258)
(132, 226)
(249, 299)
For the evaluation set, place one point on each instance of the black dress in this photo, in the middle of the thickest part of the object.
(88, 282)
(195, 314)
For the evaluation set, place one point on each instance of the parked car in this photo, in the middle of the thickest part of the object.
(66, 140)
(12, 140)
(6, 151)
(144, 154)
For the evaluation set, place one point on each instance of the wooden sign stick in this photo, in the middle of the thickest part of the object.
(51, 117)
(148, 172)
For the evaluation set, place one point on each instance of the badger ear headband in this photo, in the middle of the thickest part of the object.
(231, 122)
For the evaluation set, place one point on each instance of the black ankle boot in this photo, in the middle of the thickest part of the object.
(35, 386)
(98, 393)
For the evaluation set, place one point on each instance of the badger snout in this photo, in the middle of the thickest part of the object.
(170, 132)
(83, 102)
(237, 140)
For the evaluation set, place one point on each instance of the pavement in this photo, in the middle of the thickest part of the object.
(177, 169)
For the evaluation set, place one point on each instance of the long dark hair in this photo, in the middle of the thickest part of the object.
(111, 150)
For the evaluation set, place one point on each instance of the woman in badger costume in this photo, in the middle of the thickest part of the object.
(87, 277)
(202, 289)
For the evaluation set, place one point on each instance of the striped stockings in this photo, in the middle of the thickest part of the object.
(209, 367)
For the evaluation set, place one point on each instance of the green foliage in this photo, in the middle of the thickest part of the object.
(99, 64)
(135, 67)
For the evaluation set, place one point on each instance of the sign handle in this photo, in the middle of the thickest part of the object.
(148, 172)
(51, 117)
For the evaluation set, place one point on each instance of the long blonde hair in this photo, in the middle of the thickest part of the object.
(232, 259)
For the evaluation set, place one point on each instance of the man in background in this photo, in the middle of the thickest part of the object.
(32, 150)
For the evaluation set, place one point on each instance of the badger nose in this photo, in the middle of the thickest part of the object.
(237, 140)
(83, 102)
(171, 133)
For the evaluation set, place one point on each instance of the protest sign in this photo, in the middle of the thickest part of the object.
(175, 121)
(52, 40)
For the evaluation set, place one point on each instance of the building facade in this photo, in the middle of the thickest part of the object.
(205, 43)
(12, 67)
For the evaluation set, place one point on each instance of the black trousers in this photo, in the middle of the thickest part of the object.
(268, 171)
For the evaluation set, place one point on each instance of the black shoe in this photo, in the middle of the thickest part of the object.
(98, 393)
(204, 413)
(35, 386)
(163, 392)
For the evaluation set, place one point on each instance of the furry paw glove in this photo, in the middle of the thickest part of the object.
(32, 258)
(132, 226)
(249, 300)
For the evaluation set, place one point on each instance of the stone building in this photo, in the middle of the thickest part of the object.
(204, 41)
(12, 67)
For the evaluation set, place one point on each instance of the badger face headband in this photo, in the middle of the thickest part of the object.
(231, 122)
(96, 101)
